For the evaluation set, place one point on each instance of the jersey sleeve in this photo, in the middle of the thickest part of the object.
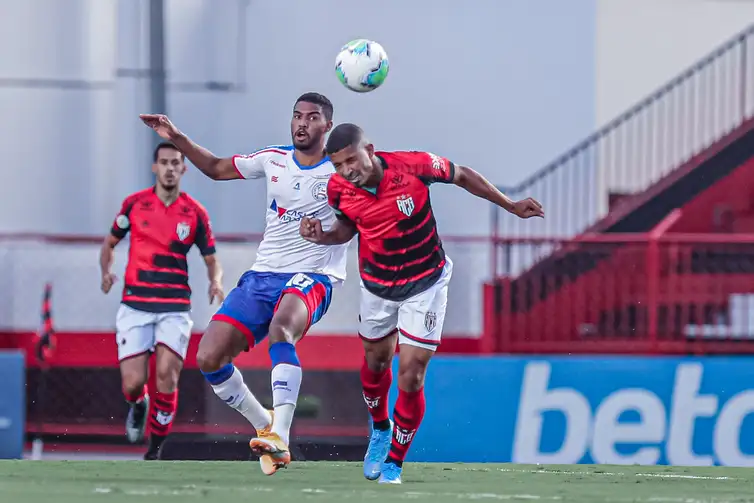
(333, 199)
(431, 168)
(122, 223)
(251, 166)
(204, 239)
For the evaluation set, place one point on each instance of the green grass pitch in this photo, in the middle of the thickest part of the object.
(186, 482)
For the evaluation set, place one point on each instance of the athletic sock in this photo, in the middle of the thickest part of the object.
(375, 387)
(407, 416)
(163, 413)
(286, 384)
(138, 396)
(228, 385)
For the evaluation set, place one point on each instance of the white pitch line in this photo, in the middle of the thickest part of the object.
(617, 474)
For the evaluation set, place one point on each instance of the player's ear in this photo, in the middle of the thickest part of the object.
(329, 127)
(154, 168)
(370, 149)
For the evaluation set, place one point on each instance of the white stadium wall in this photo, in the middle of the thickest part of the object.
(79, 305)
(503, 86)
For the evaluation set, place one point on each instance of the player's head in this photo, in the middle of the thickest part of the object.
(312, 119)
(352, 154)
(169, 165)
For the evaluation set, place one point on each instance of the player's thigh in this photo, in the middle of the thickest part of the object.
(421, 317)
(173, 331)
(240, 323)
(134, 332)
(304, 300)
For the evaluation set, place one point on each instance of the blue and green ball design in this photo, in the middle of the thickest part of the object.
(371, 80)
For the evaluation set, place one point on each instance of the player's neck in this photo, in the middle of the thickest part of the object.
(167, 196)
(309, 157)
(379, 174)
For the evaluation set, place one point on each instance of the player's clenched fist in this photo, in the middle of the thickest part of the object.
(527, 208)
(311, 229)
(107, 282)
(161, 124)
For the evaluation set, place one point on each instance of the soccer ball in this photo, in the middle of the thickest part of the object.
(362, 65)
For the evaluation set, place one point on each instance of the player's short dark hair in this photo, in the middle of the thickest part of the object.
(344, 135)
(317, 99)
(168, 145)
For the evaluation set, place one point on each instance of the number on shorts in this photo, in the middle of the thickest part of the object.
(300, 281)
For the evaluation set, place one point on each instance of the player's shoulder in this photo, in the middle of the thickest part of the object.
(273, 151)
(137, 196)
(404, 158)
(192, 203)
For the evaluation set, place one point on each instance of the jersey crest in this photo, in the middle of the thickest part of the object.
(183, 230)
(406, 205)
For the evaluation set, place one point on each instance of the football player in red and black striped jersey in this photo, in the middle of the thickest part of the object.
(384, 197)
(154, 314)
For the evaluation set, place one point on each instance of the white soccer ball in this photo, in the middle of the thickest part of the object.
(362, 65)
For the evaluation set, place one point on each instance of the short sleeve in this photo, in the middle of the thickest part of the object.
(432, 168)
(204, 239)
(252, 165)
(333, 198)
(122, 223)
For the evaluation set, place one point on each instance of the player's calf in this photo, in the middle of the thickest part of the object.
(409, 408)
(133, 380)
(376, 379)
(165, 400)
(218, 346)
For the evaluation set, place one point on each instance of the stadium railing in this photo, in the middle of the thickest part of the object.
(679, 120)
(650, 293)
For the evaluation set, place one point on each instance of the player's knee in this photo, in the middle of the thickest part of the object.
(411, 375)
(133, 383)
(281, 330)
(378, 359)
(209, 359)
(166, 378)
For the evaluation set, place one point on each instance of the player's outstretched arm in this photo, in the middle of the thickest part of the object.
(478, 185)
(208, 163)
(341, 232)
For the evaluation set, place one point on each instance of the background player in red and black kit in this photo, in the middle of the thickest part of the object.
(154, 313)
(384, 197)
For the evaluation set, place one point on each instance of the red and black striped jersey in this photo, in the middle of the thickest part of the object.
(157, 272)
(400, 252)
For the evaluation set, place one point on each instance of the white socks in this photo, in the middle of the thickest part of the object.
(286, 383)
(235, 393)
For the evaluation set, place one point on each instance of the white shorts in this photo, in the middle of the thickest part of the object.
(418, 319)
(138, 332)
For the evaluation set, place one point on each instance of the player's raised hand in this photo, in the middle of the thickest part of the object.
(527, 208)
(311, 229)
(216, 291)
(107, 282)
(161, 124)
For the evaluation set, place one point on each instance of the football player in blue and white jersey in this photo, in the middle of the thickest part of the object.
(289, 287)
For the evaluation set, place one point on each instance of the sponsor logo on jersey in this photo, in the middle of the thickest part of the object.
(183, 230)
(286, 215)
(406, 205)
(436, 161)
(274, 179)
(279, 165)
(319, 191)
